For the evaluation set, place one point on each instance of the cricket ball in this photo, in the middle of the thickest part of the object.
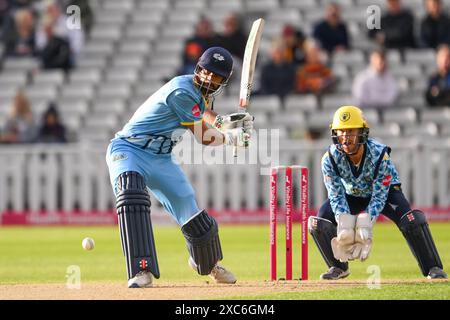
(88, 244)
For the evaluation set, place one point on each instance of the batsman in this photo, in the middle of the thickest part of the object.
(362, 183)
(140, 161)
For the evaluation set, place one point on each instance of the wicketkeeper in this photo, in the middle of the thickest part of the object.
(362, 183)
(139, 160)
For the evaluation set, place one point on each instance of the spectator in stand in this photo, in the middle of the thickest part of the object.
(294, 42)
(56, 53)
(192, 53)
(438, 91)
(51, 130)
(397, 28)
(75, 37)
(20, 125)
(233, 37)
(435, 27)
(20, 4)
(278, 74)
(331, 32)
(375, 87)
(21, 41)
(314, 76)
(204, 35)
(4, 18)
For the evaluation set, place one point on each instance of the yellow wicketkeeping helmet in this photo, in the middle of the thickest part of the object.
(348, 117)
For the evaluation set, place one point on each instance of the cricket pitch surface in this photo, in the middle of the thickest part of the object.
(171, 291)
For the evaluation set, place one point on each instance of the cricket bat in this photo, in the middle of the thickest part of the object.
(248, 67)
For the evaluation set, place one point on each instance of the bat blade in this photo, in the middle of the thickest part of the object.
(248, 66)
(249, 62)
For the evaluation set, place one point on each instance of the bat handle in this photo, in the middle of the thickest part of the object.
(235, 150)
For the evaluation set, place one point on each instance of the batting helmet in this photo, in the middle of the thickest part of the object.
(217, 61)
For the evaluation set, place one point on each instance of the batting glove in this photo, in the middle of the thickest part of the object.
(234, 120)
(237, 137)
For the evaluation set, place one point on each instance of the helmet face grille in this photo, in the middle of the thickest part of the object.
(209, 87)
(363, 137)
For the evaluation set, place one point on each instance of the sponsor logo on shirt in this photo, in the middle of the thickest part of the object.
(196, 110)
(119, 156)
(387, 180)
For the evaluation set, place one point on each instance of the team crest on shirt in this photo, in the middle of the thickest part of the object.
(196, 110)
(345, 116)
(357, 192)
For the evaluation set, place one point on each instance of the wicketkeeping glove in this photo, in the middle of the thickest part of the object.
(342, 244)
(363, 236)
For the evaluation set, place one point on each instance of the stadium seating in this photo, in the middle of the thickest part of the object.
(307, 103)
(402, 116)
(135, 46)
(437, 115)
(385, 131)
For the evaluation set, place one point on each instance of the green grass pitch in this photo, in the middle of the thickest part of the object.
(31, 255)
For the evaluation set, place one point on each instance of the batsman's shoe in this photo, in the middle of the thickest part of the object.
(143, 279)
(222, 275)
(335, 273)
(437, 273)
(218, 273)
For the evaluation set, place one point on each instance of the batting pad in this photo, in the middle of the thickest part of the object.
(133, 207)
(203, 243)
